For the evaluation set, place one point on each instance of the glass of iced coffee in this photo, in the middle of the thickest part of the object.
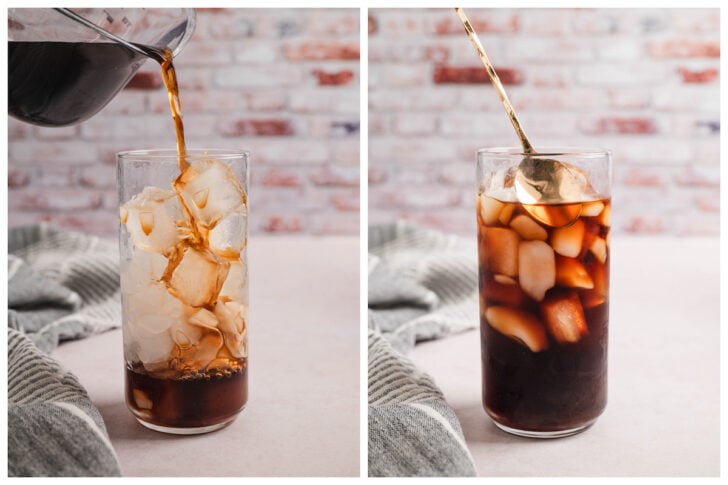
(544, 288)
(184, 287)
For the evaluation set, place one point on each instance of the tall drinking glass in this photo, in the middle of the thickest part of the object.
(544, 293)
(184, 287)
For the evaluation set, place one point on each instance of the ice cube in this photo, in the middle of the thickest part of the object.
(147, 303)
(196, 346)
(203, 318)
(185, 335)
(564, 316)
(507, 294)
(536, 268)
(504, 280)
(605, 217)
(600, 276)
(154, 309)
(153, 350)
(195, 276)
(236, 284)
(142, 269)
(152, 217)
(210, 191)
(232, 317)
(518, 325)
(529, 229)
(592, 209)
(567, 240)
(501, 250)
(505, 215)
(489, 209)
(570, 272)
(229, 235)
(141, 399)
(598, 248)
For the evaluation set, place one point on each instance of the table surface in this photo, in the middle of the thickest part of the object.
(302, 416)
(662, 416)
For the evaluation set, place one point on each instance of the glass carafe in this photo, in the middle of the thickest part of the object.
(62, 72)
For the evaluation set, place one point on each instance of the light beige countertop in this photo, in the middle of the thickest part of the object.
(662, 415)
(302, 416)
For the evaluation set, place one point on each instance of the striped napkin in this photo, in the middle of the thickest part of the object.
(422, 285)
(61, 285)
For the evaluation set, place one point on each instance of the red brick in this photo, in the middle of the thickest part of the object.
(372, 25)
(614, 75)
(321, 50)
(709, 202)
(346, 152)
(545, 21)
(699, 20)
(346, 201)
(58, 200)
(266, 101)
(54, 177)
(334, 23)
(335, 78)
(698, 75)
(644, 177)
(646, 225)
(98, 176)
(700, 224)
(283, 224)
(405, 124)
(18, 177)
(634, 98)
(319, 101)
(279, 177)
(58, 152)
(474, 75)
(699, 176)
(616, 125)
(227, 27)
(685, 48)
(145, 80)
(337, 176)
(257, 127)
(590, 21)
(335, 224)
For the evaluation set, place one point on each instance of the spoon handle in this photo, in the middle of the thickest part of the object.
(527, 148)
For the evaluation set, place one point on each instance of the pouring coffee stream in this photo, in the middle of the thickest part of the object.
(538, 180)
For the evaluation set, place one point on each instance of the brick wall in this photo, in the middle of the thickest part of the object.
(642, 82)
(281, 83)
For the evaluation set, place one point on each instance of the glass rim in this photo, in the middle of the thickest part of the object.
(164, 154)
(563, 151)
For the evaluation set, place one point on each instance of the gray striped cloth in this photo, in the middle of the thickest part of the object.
(62, 285)
(422, 285)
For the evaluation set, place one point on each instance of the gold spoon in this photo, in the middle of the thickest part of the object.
(538, 180)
